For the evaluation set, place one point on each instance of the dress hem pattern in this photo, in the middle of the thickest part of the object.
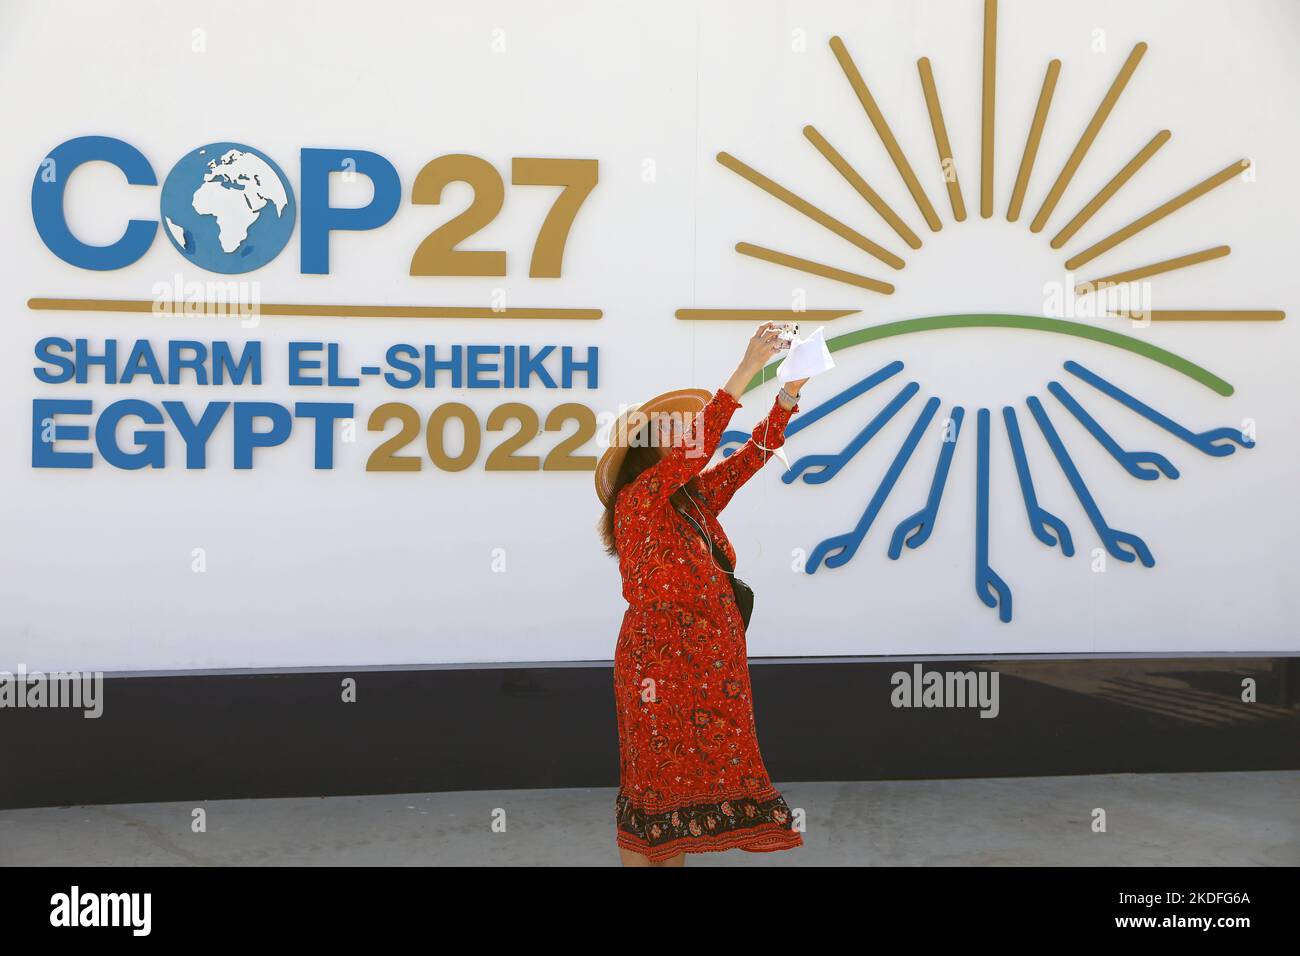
(760, 824)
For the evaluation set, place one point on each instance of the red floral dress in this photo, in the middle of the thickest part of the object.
(691, 776)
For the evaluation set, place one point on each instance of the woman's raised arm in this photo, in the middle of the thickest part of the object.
(724, 479)
(690, 451)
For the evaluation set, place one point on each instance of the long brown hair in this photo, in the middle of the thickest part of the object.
(640, 455)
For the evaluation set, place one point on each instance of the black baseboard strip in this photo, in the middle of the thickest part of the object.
(195, 737)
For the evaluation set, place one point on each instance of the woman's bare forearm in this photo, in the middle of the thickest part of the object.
(741, 377)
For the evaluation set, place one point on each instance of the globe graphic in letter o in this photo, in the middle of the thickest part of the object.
(228, 208)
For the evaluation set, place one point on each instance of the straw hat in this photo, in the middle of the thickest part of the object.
(683, 402)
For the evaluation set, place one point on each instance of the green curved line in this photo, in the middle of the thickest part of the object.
(1036, 323)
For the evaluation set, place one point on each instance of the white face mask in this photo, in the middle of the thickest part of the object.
(807, 357)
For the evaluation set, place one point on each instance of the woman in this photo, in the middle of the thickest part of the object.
(691, 776)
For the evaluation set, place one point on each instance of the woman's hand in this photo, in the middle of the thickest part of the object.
(791, 388)
(765, 345)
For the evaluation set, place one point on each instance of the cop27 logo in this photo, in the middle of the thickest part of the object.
(1089, 395)
(228, 208)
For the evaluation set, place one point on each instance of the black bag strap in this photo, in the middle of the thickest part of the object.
(742, 592)
(718, 554)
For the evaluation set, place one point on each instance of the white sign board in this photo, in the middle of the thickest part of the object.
(316, 519)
